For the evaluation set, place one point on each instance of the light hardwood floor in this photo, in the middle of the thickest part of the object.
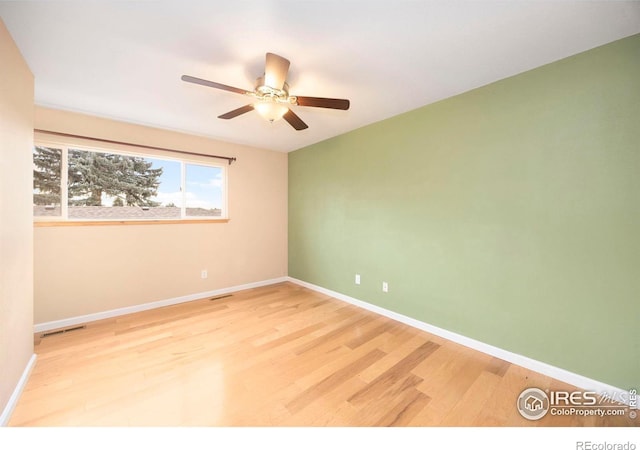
(279, 355)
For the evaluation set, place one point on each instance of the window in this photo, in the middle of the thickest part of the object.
(47, 181)
(97, 185)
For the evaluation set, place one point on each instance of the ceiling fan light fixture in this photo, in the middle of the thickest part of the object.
(270, 97)
(270, 109)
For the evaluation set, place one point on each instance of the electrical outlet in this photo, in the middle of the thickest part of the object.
(385, 286)
(357, 278)
(204, 274)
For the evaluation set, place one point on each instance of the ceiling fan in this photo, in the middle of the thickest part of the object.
(271, 95)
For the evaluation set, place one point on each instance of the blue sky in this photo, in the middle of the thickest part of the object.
(203, 184)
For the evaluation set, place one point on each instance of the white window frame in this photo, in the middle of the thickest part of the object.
(194, 160)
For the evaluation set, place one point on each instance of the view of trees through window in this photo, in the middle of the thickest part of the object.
(102, 186)
(46, 180)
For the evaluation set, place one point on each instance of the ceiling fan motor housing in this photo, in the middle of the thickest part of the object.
(268, 93)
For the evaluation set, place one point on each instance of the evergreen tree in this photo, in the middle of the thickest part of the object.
(130, 178)
(46, 175)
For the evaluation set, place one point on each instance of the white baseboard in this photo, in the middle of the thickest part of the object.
(77, 320)
(574, 379)
(15, 396)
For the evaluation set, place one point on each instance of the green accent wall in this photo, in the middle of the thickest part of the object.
(509, 214)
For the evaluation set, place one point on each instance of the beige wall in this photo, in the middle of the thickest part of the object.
(16, 237)
(90, 269)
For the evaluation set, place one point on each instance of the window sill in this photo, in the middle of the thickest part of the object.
(91, 223)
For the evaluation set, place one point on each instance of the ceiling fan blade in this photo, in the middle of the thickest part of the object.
(236, 112)
(319, 102)
(275, 71)
(212, 84)
(295, 121)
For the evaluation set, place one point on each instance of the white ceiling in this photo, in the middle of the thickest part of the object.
(124, 59)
